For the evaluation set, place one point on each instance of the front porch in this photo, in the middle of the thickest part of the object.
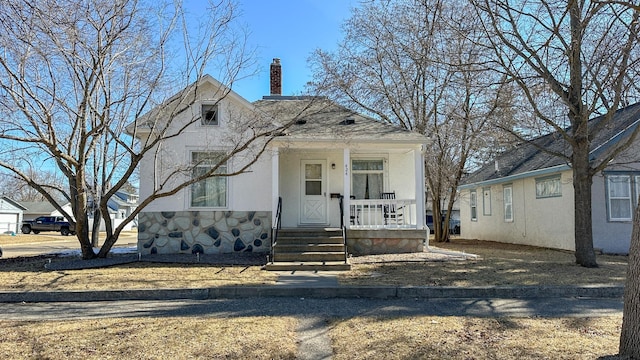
(367, 189)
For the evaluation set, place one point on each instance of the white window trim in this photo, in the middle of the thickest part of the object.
(473, 204)
(510, 203)
(198, 111)
(609, 198)
(385, 169)
(636, 199)
(187, 190)
(557, 177)
(486, 208)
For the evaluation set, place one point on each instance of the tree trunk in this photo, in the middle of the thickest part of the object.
(630, 335)
(437, 224)
(95, 228)
(583, 232)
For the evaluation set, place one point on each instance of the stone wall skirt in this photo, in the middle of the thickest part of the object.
(204, 232)
(385, 241)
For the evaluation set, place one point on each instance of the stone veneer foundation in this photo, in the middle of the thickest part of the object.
(204, 232)
(385, 241)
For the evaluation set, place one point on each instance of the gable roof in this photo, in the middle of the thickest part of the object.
(8, 204)
(179, 102)
(38, 207)
(321, 120)
(527, 159)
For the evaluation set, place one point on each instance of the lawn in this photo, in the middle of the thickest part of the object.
(366, 337)
(498, 264)
(363, 337)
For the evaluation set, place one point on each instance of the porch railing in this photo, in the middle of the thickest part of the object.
(383, 214)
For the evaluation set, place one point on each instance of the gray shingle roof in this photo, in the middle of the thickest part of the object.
(38, 207)
(527, 157)
(321, 119)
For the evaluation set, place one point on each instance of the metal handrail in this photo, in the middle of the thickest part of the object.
(276, 227)
(344, 229)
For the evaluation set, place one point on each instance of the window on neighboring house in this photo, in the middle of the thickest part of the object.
(619, 197)
(486, 201)
(212, 191)
(507, 192)
(637, 197)
(548, 187)
(474, 205)
(209, 114)
(367, 181)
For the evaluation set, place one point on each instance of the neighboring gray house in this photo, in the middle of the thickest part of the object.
(526, 195)
(11, 213)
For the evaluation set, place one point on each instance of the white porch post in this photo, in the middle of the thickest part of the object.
(346, 191)
(275, 184)
(420, 197)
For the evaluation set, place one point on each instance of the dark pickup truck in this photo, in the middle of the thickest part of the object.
(47, 223)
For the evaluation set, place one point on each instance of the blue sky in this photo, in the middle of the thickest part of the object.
(290, 30)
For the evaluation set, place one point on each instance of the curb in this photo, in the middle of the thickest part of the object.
(372, 292)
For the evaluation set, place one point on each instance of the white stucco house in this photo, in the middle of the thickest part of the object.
(11, 213)
(331, 169)
(526, 195)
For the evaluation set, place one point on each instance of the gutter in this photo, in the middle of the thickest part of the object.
(519, 176)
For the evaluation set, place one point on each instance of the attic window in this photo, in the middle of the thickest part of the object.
(348, 121)
(209, 114)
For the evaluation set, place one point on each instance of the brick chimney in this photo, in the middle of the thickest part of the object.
(276, 78)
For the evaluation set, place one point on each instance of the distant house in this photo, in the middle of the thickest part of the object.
(120, 206)
(35, 209)
(332, 168)
(526, 196)
(11, 214)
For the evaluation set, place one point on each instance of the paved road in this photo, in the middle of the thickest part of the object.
(57, 244)
(316, 308)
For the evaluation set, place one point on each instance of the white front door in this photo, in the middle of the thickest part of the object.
(313, 207)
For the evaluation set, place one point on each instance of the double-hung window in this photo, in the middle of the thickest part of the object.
(367, 180)
(620, 197)
(210, 191)
(507, 193)
(473, 200)
(486, 201)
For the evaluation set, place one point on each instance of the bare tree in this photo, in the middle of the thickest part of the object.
(420, 65)
(572, 60)
(74, 74)
(19, 190)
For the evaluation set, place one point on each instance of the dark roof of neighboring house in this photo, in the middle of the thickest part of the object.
(318, 118)
(527, 157)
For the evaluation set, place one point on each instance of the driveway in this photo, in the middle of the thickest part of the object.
(46, 244)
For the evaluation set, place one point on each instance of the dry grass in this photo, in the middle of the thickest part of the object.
(427, 337)
(6, 239)
(29, 274)
(150, 338)
(499, 264)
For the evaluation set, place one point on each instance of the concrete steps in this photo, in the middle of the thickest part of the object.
(309, 249)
